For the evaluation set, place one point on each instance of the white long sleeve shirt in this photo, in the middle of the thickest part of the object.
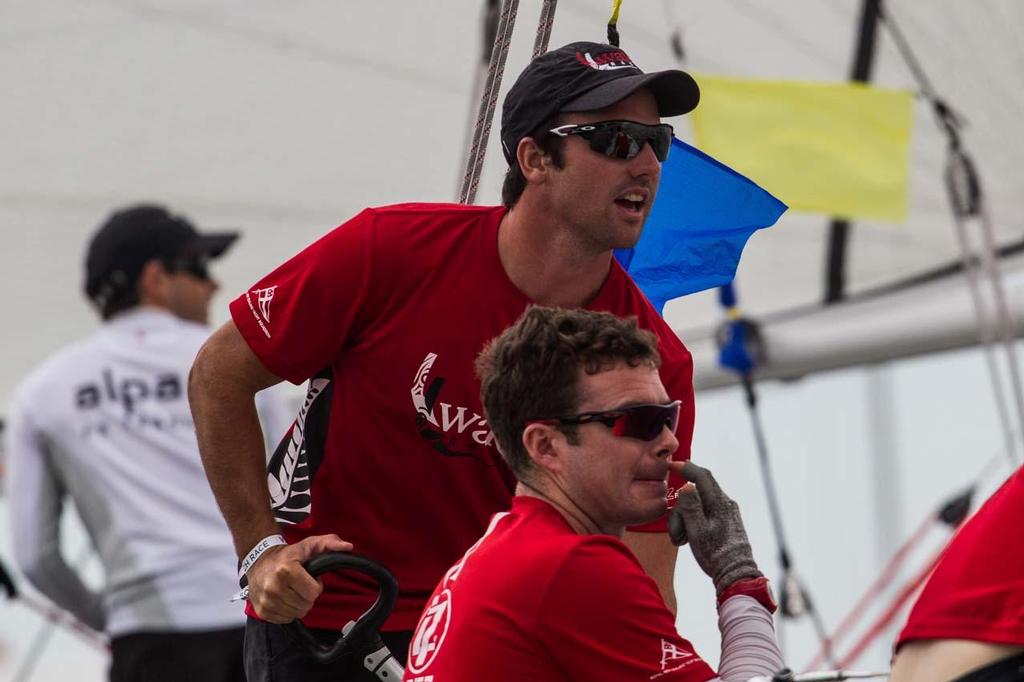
(106, 423)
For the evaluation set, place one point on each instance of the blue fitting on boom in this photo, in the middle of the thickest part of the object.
(740, 347)
(727, 296)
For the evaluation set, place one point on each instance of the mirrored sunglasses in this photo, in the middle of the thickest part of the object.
(643, 422)
(621, 139)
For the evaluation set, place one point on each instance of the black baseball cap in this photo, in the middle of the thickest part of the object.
(586, 76)
(133, 236)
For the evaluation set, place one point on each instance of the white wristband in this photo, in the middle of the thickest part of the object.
(257, 551)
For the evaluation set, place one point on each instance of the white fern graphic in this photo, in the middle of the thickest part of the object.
(288, 483)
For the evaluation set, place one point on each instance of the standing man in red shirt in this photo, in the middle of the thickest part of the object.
(386, 313)
(550, 593)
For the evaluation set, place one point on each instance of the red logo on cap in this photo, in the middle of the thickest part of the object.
(606, 61)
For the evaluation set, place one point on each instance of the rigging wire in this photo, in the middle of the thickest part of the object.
(482, 130)
(960, 172)
(54, 617)
(795, 599)
(1004, 317)
(931, 31)
(951, 513)
(985, 336)
(495, 71)
(967, 201)
(58, 617)
(547, 20)
(741, 350)
(883, 580)
(490, 32)
(893, 610)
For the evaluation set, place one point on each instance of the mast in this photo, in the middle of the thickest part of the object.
(839, 229)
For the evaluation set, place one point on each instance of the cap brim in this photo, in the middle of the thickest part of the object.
(213, 244)
(675, 92)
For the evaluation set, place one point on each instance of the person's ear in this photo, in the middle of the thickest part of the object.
(153, 283)
(545, 445)
(533, 161)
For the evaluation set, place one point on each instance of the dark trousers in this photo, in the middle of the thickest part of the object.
(208, 656)
(1007, 670)
(272, 654)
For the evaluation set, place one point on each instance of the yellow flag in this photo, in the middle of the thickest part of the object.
(835, 148)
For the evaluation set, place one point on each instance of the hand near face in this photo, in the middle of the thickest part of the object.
(709, 520)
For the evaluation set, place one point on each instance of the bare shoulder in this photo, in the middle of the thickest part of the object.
(945, 659)
(227, 354)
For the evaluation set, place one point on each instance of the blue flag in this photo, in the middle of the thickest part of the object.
(701, 220)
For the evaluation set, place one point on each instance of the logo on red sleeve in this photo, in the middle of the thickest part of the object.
(264, 297)
(261, 309)
(673, 658)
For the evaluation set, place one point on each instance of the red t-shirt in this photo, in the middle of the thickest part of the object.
(977, 589)
(391, 451)
(534, 600)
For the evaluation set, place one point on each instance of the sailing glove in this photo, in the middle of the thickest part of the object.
(710, 521)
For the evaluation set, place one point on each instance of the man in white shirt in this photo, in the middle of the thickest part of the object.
(106, 422)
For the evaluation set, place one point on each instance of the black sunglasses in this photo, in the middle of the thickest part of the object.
(196, 265)
(621, 139)
(644, 422)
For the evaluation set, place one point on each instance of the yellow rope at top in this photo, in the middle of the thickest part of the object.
(616, 6)
(613, 31)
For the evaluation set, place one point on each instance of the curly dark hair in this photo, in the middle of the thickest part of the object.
(532, 370)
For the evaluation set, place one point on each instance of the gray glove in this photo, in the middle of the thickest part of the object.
(710, 521)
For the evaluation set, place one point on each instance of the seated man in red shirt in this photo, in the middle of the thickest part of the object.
(968, 623)
(550, 592)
